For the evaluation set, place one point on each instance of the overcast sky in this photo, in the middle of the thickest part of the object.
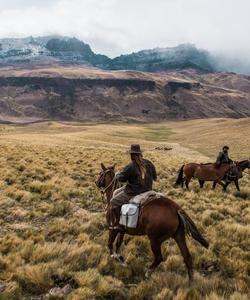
(113, 27)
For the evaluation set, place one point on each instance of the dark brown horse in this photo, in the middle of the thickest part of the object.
(204, 172)
(234, 176)
(159, 219)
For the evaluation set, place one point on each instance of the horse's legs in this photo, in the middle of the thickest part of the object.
(222, 184)
(236, 181)
(181, 242)
(119, 241)
(112, 236)
(201, 182)
(156, 249)
(214, 185)
(187, 182)
(182, 182)
(226, 185)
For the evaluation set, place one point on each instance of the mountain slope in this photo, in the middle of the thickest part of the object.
(62, 49)
(88, 94)
(71, 50)
(181, 57)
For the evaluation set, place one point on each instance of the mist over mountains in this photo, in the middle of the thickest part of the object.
(46, 49)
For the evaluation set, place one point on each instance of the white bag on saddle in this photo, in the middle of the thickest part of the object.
(129, 215)
(130, 212)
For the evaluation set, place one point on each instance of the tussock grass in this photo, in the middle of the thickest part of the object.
(53, 222)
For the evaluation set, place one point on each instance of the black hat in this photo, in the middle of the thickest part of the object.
(135, 149)
(225, 147)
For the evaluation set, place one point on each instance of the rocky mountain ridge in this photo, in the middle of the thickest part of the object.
(48, 49)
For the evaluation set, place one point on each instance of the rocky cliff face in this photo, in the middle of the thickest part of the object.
(73, 50)
(79, 94)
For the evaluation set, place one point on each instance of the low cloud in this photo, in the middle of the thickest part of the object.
(114, 27)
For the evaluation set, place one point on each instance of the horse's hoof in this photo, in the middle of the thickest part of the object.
(119, 258)
(114, 255)
(149, 273)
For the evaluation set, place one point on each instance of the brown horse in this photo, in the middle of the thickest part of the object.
(235, 175)
(204, 172)
(159, 219)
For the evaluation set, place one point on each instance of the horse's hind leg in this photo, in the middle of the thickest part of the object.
(201, 182)
(181, 242)
(214, 185)
(187, 183)
(182, 183)
(222, 184)
(156, 249)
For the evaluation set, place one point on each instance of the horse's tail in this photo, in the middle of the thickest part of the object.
(180, 179)
(191, 229)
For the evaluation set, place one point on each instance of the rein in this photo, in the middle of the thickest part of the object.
(230, 173)
(112, 184)
(246, 167)
(103, 191)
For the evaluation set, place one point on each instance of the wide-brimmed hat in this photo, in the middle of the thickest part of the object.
(225, 147)
(135, 149)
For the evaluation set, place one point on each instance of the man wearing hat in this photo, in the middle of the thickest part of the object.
(223, 157)
(138, 175)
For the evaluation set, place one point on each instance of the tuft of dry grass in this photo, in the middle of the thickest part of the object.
(52, 218)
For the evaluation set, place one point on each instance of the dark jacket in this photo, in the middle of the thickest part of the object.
(135, 184)
(223, 158)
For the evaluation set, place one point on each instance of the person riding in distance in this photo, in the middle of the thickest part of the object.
(223, 157)
(138, 175)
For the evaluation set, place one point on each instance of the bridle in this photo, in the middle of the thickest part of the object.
(248, 173)
(112, 182)
(230, 174)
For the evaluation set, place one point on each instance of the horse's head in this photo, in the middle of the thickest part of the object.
(105, 177)
(248, 166)
(244, 164)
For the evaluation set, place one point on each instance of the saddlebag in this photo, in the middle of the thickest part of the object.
(129, 215)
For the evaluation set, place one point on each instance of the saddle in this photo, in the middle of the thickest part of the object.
(130, 212)
(144, 197)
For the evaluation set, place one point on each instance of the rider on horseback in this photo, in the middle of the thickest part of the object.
(139, 175)
(223, 157)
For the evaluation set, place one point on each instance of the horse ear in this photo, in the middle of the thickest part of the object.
(103, 167)
(113, 167)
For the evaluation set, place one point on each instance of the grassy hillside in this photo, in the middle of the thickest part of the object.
(52, 220)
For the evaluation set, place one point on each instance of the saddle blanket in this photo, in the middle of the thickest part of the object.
(130, 212)
(142, 198)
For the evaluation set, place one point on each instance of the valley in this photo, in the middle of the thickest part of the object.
(53, 236)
